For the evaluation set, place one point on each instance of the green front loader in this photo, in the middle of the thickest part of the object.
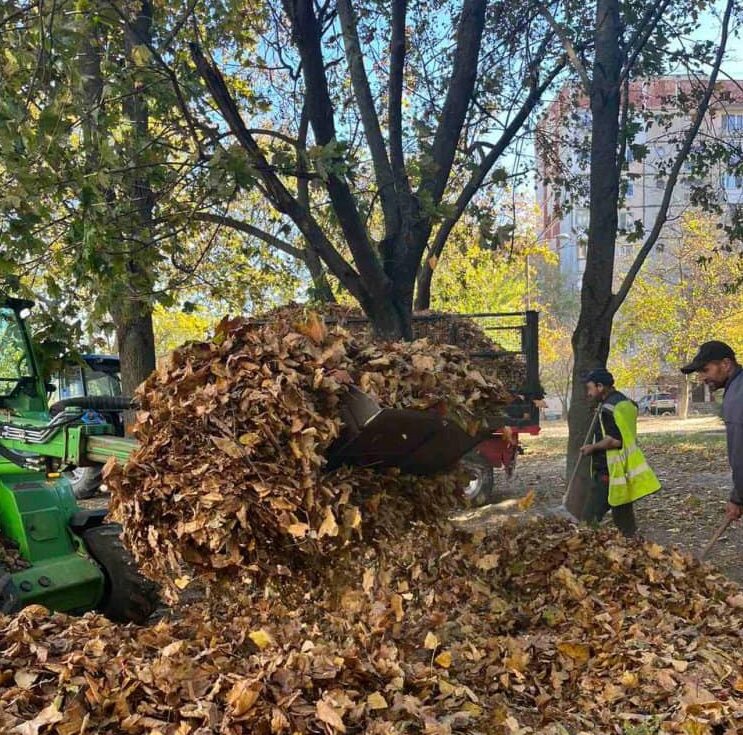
(52, 552)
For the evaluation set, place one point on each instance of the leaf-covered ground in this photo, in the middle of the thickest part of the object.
(537, 629)
(690, 459)
(507, 625)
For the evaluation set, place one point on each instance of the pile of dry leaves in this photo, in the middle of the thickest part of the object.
(442, 328)
(540, 630)
(233, 437)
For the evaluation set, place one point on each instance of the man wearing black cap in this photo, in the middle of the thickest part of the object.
(717, 367)
(618, 467)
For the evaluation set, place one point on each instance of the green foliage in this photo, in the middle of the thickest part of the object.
(474, 276)
(678, 303)
(175, 327)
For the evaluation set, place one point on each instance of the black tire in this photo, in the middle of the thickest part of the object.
(129, 597)
(85, 481)
(481, 489)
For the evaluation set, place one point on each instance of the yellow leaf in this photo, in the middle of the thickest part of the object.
(261, 638)
(488, 562)
(443, 660)
(352, 517)
(376, 701)
(298, 530)
(527, 501)
(433, 261)
(367, 581)
(431, 642)
(328, 527)
(577, 651)
(630, 680)
(182, 582)
(655, 551)
(328, 715)
(242, 697)
(250, 439)
(446, 687)
(396, 605)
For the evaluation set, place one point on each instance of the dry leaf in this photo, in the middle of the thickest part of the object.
(527, 501)
(431, 642)
(328, 715)
(261, 638)
(376, 701)
(443, 660)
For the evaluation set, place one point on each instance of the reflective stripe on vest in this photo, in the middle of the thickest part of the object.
(630, 476)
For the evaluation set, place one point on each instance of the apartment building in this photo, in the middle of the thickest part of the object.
(566, 125)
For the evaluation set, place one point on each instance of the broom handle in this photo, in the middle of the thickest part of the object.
(591, 427)
(720, 530)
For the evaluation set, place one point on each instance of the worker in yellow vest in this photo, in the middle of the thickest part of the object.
(619, 470)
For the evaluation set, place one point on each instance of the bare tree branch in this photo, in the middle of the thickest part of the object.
(458, 96)
(276, 192)
(643, 31)
(394, 105)
(241, 226)
(306, 31)
(369, 118)
(478, 177)
(568, 46)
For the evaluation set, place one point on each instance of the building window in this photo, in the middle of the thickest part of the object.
(732, 123)
(630, 189)
(582, 250)
(624, 221)
(660, 246)
(731, 182)
(580, 219)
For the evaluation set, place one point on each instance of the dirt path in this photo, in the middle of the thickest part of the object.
(690, 459)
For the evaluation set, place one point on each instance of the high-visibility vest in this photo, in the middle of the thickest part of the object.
(630, 476)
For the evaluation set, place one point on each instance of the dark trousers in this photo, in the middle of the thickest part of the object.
(597, 506)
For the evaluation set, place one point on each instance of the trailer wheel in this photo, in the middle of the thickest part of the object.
(128, 596)
(481, 487)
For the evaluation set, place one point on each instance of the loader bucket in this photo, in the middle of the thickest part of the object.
(418, 442)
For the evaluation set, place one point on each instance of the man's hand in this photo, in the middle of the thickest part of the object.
(733, 511)
(587, 449)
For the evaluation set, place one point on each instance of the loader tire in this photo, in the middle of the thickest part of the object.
(128, 597)
(481, 488)
(86, 481)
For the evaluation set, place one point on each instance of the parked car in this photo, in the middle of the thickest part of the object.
(657, 404)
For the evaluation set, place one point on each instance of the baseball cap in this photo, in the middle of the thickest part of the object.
(709, 352)
(599, 375)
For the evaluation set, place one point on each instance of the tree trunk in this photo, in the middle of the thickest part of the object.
(132, 310)
(591, 339)
(683, 399)
(423, 292)
(320, 290)
(136, 343)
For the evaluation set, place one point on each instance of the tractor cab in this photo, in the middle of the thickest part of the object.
(22, 389)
